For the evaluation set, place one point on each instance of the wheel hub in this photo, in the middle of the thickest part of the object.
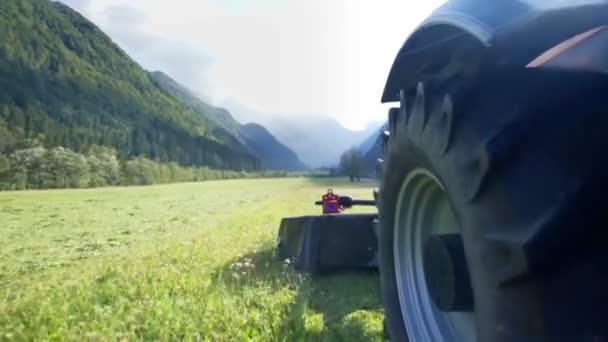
(446, 273)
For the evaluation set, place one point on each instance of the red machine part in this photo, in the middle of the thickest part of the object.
(331, 203)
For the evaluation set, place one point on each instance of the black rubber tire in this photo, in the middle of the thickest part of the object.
(523, 157)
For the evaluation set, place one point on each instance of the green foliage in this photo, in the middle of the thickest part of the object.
(26, 168)
(38, 168)
(352, 164)
(141, 171)
(189, 262)
(7, 139)
(5, 166)
(63, 82)
(104, 168)
(63, 168)
(59, 167)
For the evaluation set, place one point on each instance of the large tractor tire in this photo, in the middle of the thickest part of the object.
(492, 209)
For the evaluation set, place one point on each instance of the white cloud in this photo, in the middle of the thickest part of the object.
(298, 56)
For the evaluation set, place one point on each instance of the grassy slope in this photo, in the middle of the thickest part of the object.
(187, 261)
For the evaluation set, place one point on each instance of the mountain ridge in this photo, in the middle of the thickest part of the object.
(318, 140)
(273, 154)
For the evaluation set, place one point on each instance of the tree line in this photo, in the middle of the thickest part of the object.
(37, 167)
(352, 164)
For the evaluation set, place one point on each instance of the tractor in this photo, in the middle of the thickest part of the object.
(491, 208)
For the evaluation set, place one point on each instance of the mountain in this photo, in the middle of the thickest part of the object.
(372, 150)
(63, 82)
(217, 115)
(272, 154)
(319, 140)
(372, 140)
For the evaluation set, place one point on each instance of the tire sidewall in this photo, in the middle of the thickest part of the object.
(402, 160)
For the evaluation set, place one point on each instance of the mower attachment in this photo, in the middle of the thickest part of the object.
(318, 244)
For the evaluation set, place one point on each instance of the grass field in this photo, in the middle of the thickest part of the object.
(189, 261)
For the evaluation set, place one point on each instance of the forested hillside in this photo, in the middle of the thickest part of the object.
(273, 155)
(64, 83)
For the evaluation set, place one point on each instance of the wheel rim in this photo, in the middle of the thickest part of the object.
(423, 209)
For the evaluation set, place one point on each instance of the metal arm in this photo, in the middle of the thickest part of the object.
(348, 202)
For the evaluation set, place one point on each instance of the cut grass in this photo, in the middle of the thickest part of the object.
(188, 261)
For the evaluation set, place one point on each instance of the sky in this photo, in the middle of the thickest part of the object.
(295, 57)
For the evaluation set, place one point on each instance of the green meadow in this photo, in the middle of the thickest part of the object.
(189, 261)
